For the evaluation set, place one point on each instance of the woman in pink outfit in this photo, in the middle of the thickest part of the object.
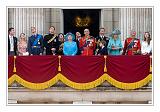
(22, 45)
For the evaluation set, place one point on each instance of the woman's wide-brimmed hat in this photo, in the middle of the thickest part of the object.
(69, 33)
(115, 32)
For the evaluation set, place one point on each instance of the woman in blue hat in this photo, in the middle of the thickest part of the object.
(70, 47)
(115, 45)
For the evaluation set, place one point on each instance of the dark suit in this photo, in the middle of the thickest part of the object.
(15, 45)
(79, 51)
(102, 51)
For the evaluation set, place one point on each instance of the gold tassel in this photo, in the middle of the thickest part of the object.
(150, 68)
(150, 64)
(59, 68)
(14, 69)
(59, 64)
(105, 68)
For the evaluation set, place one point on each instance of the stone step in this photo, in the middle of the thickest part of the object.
(67, 94)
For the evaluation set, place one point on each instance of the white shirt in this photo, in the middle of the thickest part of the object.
(146, 48)
(102, 36)
(11, 43)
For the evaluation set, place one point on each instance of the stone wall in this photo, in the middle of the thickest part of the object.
(138, 19)
(125, 19)
(110, 19)
(23, 18)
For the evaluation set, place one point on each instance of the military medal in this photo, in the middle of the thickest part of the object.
(38, 42)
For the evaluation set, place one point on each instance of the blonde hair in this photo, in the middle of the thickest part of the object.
(22, 39)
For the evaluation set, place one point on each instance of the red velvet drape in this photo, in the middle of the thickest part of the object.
(37, 69)
(80, 69)
(128, 69)
(10, 66)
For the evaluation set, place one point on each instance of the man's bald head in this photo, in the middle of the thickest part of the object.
(86, 32)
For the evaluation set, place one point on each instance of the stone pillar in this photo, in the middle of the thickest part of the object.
(23, 18)
(61, 21)
(107, 19)
(102, 18)
(116, 18)
(10, 17)
(138, 19)
(110, 19)
(55, 18)
(47, 20)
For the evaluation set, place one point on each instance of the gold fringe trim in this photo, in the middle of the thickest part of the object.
(150, 68)
(36, 86)
(11, 79)
(59, 63)
(128, 86)
(14, 69)
(81, 86)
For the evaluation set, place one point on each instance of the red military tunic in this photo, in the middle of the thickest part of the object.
(133, 48)
(87, 45)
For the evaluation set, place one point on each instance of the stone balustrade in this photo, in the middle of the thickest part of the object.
(62, 94)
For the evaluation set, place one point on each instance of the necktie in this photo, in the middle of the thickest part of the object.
(102, 37)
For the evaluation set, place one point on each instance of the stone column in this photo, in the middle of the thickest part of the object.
(23, 18)
(55, 19)
(138, 19)
(102, 18)
(116, 18)
(47, 20)
(107, 19)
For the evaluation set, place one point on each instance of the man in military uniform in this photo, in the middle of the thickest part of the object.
(87, 44)
(132, 45)
(101, 37)
(35, 43)
(51, 42)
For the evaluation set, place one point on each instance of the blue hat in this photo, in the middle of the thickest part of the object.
(69, 33)
(116, 32)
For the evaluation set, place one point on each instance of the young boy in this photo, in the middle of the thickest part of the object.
(103, 48)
